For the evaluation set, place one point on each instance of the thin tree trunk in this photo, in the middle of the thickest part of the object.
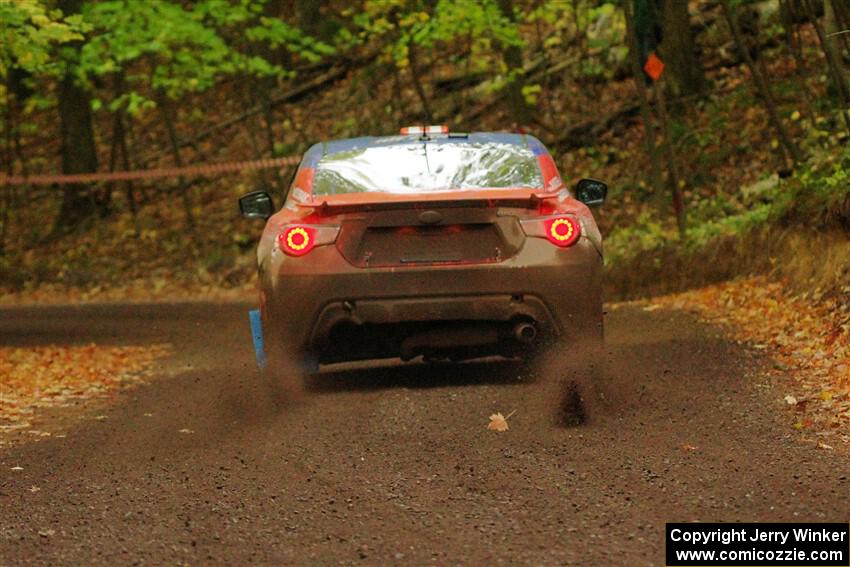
(789, 16)
(9, 160)
(398, 92)
(679, 51)
(79, 153)
(14, 191)
(512, 56)
(250, 128)
(762, 87)
(128, 185)
(833, 61)
(142, 192)
(119, 148)
(182, 186)
(842, 13)
(309, 14)
(653, 179)
(673, 177)
(417, 82)
(268, 115)
(832, 28)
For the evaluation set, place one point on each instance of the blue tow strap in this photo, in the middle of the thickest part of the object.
(257, 335)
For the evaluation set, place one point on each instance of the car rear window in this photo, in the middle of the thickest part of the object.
(427, 167)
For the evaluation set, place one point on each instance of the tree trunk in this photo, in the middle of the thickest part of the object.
(678, 49)
(417, 82)
(9, 167)
(673, 177)
(792, 36)
(79, 153)
(832, 27)
(512, 56)
(831, 49)
(762, 87)
(182, 186)
(833, 60)
(653, 179)
(842, 16)
(119, 147)
(309, 15)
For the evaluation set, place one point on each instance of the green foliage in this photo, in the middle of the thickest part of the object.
(817, 197)
(394, 25)
(647, 233)
(29, 33)
(602, 26)
(181, 52)
(176, 50)
(277, 33)
(820, 195)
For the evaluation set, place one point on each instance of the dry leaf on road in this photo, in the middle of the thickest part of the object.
(499, 422)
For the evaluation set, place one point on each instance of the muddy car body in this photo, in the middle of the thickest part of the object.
(445, 246)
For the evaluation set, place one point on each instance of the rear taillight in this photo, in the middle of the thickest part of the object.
(297, 240)
(562, 231)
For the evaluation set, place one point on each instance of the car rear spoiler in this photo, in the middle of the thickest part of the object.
(531, 201)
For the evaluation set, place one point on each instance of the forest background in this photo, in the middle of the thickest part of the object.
(734, 162)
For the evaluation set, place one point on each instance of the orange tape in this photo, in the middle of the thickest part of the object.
(188, 171)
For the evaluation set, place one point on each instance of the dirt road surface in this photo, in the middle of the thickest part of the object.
(395, 465)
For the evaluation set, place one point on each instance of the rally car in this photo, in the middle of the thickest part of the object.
(430, 244)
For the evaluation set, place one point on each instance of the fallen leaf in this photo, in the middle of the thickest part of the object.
(34, 488)
(499, 422)
(687, 447)
(807, 336)
(185, 430)
(59, 376)
(822, 445)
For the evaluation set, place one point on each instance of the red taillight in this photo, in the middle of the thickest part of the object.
(562, 231)
(297, 240)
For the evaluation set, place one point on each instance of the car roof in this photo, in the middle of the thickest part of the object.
(323, 149)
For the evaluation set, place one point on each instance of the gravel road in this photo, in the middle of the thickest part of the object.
(394, 465)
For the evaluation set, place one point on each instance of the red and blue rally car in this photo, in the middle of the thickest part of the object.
(428, 244)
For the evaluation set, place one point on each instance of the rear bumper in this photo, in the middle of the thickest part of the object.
(305, 299)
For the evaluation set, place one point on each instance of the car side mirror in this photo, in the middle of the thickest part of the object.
(591, 192)
(256, 205)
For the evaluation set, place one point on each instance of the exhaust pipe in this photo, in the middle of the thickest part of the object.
(525, 332)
